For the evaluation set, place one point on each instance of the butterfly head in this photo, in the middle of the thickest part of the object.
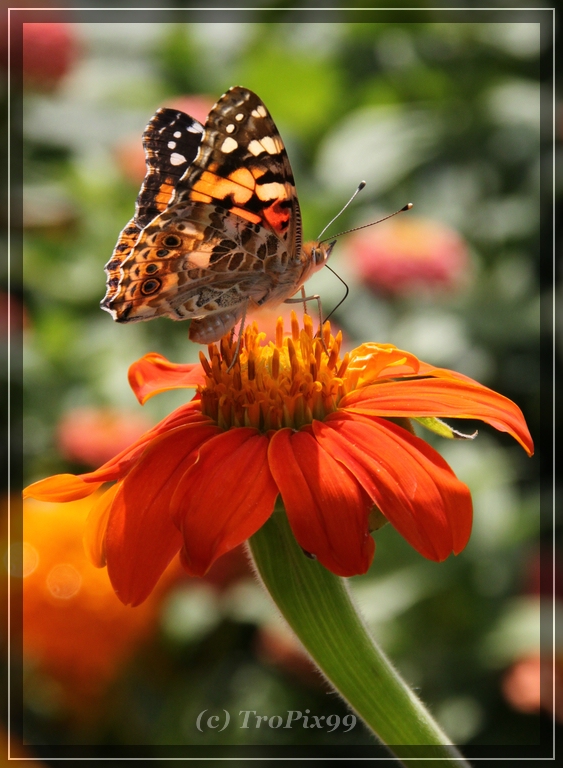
(317, 254)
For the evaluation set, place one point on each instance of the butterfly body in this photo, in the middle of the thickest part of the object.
(222, 238)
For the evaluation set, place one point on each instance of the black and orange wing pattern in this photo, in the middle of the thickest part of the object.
(171, 141)
(229, 239)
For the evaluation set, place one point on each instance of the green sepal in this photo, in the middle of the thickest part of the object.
(440, 427)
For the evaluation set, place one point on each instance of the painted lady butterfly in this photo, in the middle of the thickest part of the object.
(217, 225)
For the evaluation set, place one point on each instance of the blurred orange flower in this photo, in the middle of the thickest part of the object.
(409, 254)
(75, 629)
(10, 744)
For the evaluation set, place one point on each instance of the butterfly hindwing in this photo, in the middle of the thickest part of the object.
(171, 141)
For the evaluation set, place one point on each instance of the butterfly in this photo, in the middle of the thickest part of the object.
(217, 224)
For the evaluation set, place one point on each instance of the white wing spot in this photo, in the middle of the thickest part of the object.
(239, 116)
(229, 145)
(255, 148)
(230, 128)
(177, 134)
(272, 191)
(269, 145)
(171, 145)
(177, 159)
(260, 111)
(195, 128)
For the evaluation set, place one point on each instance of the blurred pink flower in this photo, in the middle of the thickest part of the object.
(91, 436)
(196, 105)
(50, 50)
(528, 685)
(277, 647)
(408, 254)
(129, 152)
(230, 568)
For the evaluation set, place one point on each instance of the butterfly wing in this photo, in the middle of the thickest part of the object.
(232, 233)
(171, 141)
(243, 167)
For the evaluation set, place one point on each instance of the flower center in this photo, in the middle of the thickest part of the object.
(286, 383)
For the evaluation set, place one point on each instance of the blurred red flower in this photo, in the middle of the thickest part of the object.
(529, 683)
(50, 50)
(408, 254)
(13, 315)
(91, 436)
(276, 645)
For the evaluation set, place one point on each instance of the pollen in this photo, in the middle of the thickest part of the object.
(283, 383)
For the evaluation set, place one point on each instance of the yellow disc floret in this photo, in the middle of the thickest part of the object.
(286, 383)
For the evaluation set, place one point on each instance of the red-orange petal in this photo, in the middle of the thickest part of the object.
(141, 537)
(71, 487)
(153, 373)
(94, 537)
(60, 488)
(224, 498)
(441, 397)
(326, 506)
(117, 467)
(409, 481)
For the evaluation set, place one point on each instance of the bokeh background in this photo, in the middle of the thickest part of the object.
(444, 115)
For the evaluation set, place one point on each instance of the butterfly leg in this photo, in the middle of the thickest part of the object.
(305, 299)
(241, 329)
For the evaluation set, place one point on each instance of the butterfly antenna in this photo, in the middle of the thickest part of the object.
(406, 207)
(361, 185)
(343, 299)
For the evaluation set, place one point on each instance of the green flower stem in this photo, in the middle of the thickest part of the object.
(318, 607)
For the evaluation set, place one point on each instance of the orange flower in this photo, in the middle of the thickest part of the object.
(292, 419)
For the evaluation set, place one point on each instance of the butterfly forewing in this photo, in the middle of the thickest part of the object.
(242, 166)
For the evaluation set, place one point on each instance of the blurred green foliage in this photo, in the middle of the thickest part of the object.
(445, 115)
